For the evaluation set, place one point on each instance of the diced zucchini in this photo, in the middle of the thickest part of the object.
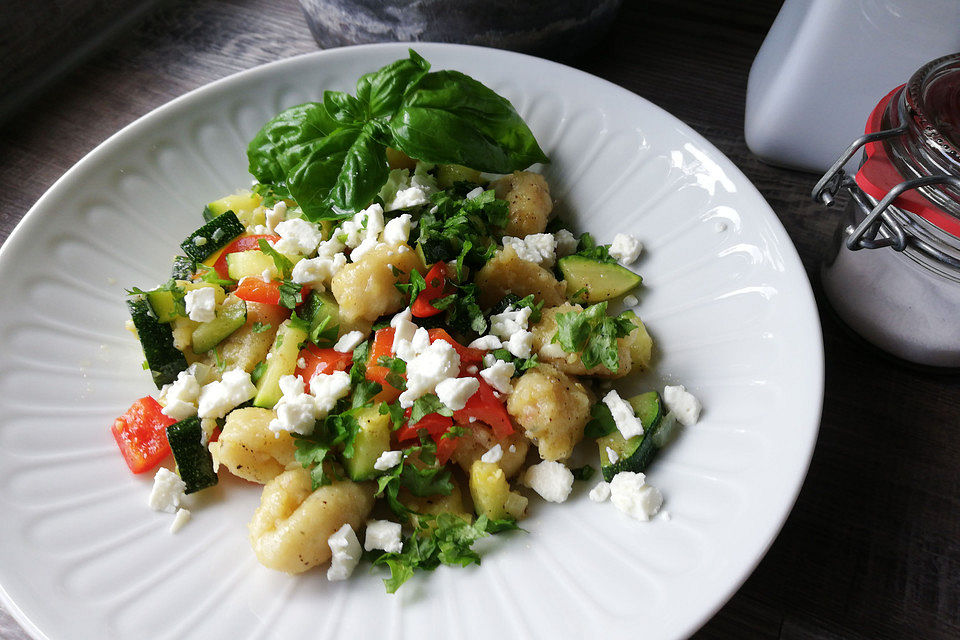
(491, 492)
(164, 306)
(194, 462)
(281, 361)
(164, 360)
(230, 317)
(183, 268)
(450, 174)
(212, 236)
(435, 250)
(636, 453)
(373, 438)
(254, 262)
(322, 307)
(641, 349)
(242, 204)
(594, 281)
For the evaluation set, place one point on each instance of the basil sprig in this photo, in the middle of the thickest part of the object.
(330, 156)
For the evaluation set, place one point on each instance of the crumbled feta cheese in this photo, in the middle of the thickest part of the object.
(328, 388)
(493, 455)
(539, 248)
(512, 448)
(330, 248)
(179, 398)
(276, 215)
(628, 424)
(179, 520)
(349, 341)
(499, 375)
(200, 241)
(425, 371)
(388, 460)
(296, 410)
(612, 456)
(167, 491)
(472, 370)
(408, 350)
(489, 360)
(201, 304)
(298, 236)
(474, 193)
(510, 321)
(383, 534)
(404, 329)
(346, 553)
(397, 231)
(409, 197)
(487, 343)
(566, 243)
(363, 248)
(218, 398)
(301, 363)
(317, 272)
(630, 300)
(267, 275)
(625, 248)
(454, 392)
(520, 344)
(630, 494)
(601, 492)
(683, 404)
(552, 480)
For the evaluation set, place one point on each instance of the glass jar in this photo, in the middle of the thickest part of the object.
(893, 269)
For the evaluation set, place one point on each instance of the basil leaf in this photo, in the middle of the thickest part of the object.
(382, 91)
(363, 173)
(448, 117)
(601, 422)
(312, 179)
(278, 145)
(343, 107)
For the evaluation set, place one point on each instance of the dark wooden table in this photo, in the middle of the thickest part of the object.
(872, 548)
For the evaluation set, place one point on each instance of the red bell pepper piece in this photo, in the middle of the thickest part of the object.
(141, 434)
(317, 360)
(467, 355)
(436, 426)
(488, 409)
(436, 279)
(253, 289)
(382, 346)
(243, 243)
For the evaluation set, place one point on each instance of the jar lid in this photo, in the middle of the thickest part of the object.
(878, 174)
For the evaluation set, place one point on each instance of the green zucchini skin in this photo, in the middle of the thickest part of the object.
(165, 360)
(194, 461)
(321, 305)
(183, 268)
(212, 236)
(230, 316)
(638, 452)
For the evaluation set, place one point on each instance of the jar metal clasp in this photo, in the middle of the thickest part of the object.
(878, 229)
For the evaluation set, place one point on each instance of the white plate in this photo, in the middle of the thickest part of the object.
(725, 297)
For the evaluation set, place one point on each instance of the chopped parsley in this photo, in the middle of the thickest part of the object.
(426, 404)
(593, 334)
(588, 248)
(259, 327)
(439, 539)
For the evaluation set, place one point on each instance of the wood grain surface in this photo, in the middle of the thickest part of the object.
(872, 548)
